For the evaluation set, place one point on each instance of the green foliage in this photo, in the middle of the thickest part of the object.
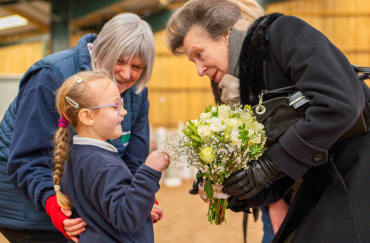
(209, 189)
(244, 136)
(191, 132)
(215, 114)
(208, 108)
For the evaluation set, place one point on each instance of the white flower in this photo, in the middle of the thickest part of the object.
(214, 109)
(247, 120)
(258, 126)
(205, 116)
(235, 141)
(196, 122)
(216, 124)
(223, 112)
(255, 139)
(204, 131)
(207, 155)
(232, 124)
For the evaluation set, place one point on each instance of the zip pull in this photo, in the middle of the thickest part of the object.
(260, 109)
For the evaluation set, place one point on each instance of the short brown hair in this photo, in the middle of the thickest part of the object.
(215, 16)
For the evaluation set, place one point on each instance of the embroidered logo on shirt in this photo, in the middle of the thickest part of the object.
(125, 138)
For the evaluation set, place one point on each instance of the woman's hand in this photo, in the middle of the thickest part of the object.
(245, 184)
(277, 212)
(195, 189)
(157, 213)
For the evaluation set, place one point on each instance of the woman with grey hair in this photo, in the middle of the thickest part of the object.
(125, 50)
(273, 53)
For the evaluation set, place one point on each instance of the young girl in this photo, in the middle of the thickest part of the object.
(115, 204)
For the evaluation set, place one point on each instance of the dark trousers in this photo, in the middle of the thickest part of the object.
(32, 236)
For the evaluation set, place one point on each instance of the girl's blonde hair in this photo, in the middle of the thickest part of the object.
(71, 93)
(128, 35)
(217, 17)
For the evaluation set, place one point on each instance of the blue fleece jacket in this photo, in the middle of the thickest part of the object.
(115, 204)
(29, 164)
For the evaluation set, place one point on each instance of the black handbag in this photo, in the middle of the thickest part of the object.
(279, 109)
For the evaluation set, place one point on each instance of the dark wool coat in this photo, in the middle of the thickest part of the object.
(333, 204)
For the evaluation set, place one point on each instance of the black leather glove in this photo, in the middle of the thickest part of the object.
(261, 174)
(194, 190)
(264, 198)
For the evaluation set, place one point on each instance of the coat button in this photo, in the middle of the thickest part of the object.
(317, 157)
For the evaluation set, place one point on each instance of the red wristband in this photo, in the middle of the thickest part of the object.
(156, 202)
(54, 211)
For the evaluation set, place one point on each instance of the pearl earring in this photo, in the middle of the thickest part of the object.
(227, 43)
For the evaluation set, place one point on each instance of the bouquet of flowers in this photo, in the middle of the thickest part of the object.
(224, 140)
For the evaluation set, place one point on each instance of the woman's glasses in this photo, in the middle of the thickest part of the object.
(119, 105)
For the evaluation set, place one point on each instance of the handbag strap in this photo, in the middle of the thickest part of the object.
(289, 89)
(364, 70)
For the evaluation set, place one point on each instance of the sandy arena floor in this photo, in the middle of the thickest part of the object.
(185, 221)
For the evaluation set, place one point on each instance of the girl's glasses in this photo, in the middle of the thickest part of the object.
(119, 105)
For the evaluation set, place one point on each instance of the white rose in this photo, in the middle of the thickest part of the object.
(207, 155)
(214, 109)
(216, 124)
(234, 137)
(233, 123)
(258, 126)
(196, 122)
(223, 112)
(248, 121)
(205, 116)
(255, 140)
(204, 131)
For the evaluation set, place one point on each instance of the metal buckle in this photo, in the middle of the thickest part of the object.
(260, 109)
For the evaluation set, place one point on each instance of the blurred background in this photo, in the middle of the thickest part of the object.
(31, 30)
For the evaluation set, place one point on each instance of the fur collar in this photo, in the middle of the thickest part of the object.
(251, 59)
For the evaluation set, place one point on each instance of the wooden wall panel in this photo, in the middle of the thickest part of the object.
(18, 58)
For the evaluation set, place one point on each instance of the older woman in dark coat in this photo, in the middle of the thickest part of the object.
(273, 52)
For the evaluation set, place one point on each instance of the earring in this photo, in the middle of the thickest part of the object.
(227, 43)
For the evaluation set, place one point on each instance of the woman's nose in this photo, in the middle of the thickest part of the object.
(201, 70)
(125, 72)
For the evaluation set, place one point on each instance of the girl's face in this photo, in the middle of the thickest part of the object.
(210, 56)
(107, 122)
(127, 72)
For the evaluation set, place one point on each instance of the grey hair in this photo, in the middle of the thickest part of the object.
(128, 35)
(217, 17)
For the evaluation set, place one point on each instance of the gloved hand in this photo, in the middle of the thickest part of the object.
(57, 217)
(245, 184)
(265, 197)
(194, 190)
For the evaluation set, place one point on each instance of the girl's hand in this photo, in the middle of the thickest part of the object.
(73, 227)
(157, 213)
(158, 160)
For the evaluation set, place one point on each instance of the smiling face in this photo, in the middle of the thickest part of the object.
(127, 72)
(210, 56)
(107, 123)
